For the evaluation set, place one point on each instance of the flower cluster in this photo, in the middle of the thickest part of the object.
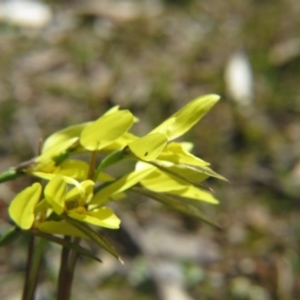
(76, 193)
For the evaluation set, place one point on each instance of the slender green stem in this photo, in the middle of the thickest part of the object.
(35, 251)
(67, 269)
(63, 272)
(28, 267)
(92, 165)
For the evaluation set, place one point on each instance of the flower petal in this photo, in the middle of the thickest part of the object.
(176, 153)
(63, 135)
(103, 216)
(21, 209)
(55, 194)
(148, 147)
(76, 194)
(195, 193)
(120, 142)
(67, 179)
(161, 182)
(60, 227)
(186, 117)
(106, 130)
(57, 149)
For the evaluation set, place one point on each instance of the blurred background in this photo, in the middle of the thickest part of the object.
(65, 62)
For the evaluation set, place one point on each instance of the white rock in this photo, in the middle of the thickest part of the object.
(25, 13)
(239, 79)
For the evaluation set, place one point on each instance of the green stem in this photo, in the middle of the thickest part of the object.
(28, 267)
(63, 272)
(34, 256)
(92, 165)
(69, 257)
(67, 270)
(9, 175)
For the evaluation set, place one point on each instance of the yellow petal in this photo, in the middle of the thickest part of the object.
(186, 117)
(161, 182)
(55, 194)
(74, 168)
(103, 216)
(67, 179)
(148, 147)
(60, 227)
(106, 130)
(120, 142)
(63, 136)
(57, 149)
(176, 153)
(76, 194)
(21, 209)
(195, 193)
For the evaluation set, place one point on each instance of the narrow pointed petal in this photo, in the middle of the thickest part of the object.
(179, 204)
(176, 153)
(186, 117)
(103, 217)
(195, 193)
(61, 228)
(161, 182)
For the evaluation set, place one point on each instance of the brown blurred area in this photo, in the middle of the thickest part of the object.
(65, 62)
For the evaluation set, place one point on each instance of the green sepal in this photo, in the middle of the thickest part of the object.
(61, 157)
(70, 245)
(95, 236)
(178, 204)
(10, 236)
(109, 160)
